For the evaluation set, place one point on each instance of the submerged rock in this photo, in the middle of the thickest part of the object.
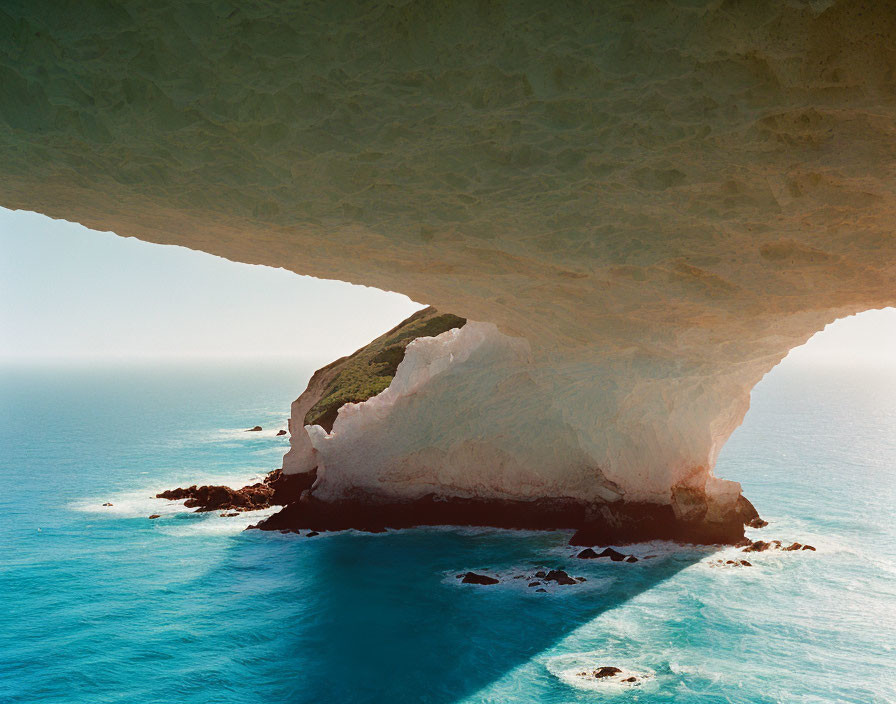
(107, 504)
(473, 578)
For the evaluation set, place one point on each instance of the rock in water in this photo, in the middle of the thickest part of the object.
(560, 577)
(473, 578)
(607, 671)
(254, 430)
(154, 516)
(614, 555)
(281, 432)
(277, 489)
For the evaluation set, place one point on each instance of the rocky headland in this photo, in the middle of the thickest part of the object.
(622, 236)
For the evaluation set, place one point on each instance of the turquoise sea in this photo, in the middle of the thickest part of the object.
(100, 604)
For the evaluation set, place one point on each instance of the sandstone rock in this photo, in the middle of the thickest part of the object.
(473, 578)
(155, 515)
(744, 563)
(254, 430)
(281, 432)
(793, 546)
(808, 547)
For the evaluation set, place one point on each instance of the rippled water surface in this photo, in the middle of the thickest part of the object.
(101, 604)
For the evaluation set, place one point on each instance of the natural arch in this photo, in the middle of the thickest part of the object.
(650, 206)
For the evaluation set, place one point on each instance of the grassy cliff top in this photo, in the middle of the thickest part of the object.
(371, 369)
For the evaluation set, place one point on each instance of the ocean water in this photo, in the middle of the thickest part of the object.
(100, 604)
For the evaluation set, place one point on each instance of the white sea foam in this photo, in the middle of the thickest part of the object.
(134, 503)
(213, 524)
(567, 669)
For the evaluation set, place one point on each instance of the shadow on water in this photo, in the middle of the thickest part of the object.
(368, 618)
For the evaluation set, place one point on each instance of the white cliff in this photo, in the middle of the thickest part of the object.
(650, 206)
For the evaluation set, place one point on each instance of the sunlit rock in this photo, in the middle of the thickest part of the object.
(640, 212)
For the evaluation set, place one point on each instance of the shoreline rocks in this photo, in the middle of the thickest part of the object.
(474, 578)
(608, 524)
(763, 546)
(277, 489)
(537, 581)
(256, 429)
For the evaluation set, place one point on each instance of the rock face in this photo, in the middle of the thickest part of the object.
(277, 489)
(639, 213)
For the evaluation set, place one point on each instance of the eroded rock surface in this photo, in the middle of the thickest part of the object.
(640, 213)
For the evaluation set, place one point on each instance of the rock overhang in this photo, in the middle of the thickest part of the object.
(660, 203)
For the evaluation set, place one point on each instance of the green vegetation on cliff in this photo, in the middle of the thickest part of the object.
(371, 369)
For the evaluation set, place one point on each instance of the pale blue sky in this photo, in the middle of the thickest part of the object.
(69, 293)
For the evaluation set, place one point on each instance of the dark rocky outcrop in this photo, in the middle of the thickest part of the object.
(622, 523)
(763, 546)
(154, 516)
(473, 578)
(281, 432)
(601, 672)
(609, 524)
(256, 429)
(614, 555)
(560, 577)
(277, 489)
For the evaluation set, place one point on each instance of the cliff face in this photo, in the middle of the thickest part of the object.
(644, 207)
